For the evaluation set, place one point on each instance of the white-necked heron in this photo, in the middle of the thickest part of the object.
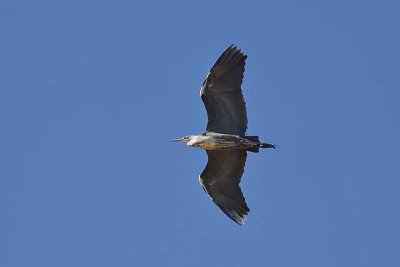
(225, 139)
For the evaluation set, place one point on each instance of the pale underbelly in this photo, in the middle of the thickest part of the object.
(224, 145)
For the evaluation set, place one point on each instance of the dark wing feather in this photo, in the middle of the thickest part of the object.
(222, 94)
(220, 179)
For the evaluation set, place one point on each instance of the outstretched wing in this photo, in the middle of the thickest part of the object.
(220, 179)
(222, 94)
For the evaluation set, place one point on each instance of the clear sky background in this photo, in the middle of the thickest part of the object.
(91, 92)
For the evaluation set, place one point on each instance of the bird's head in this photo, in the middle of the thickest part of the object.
(185, 139)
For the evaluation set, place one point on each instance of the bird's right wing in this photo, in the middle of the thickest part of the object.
(222, 94)
(220, 179)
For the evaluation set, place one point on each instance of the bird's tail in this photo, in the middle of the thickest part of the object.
(253, 149)
(253, 138)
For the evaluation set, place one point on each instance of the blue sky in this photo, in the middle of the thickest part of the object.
(91, 92)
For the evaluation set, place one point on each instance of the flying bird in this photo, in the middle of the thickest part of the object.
(225, 139)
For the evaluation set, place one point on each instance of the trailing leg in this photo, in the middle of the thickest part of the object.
(266, 145)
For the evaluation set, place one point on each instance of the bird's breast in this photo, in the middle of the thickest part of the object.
(212, 143)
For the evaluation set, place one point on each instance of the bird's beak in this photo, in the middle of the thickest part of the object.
(177, 140)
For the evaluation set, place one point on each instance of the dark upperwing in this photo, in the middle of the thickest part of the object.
(220, 179)
(222, 94)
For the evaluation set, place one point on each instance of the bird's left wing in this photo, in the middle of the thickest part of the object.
(220, 179)
(222, 94)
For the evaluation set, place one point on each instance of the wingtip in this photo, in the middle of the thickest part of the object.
(241, 220)
(232, 47)
(237, 217)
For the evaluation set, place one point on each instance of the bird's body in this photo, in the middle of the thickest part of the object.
(225, 139)
(217, 141)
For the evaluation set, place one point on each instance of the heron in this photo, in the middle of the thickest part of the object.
(225, 139)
